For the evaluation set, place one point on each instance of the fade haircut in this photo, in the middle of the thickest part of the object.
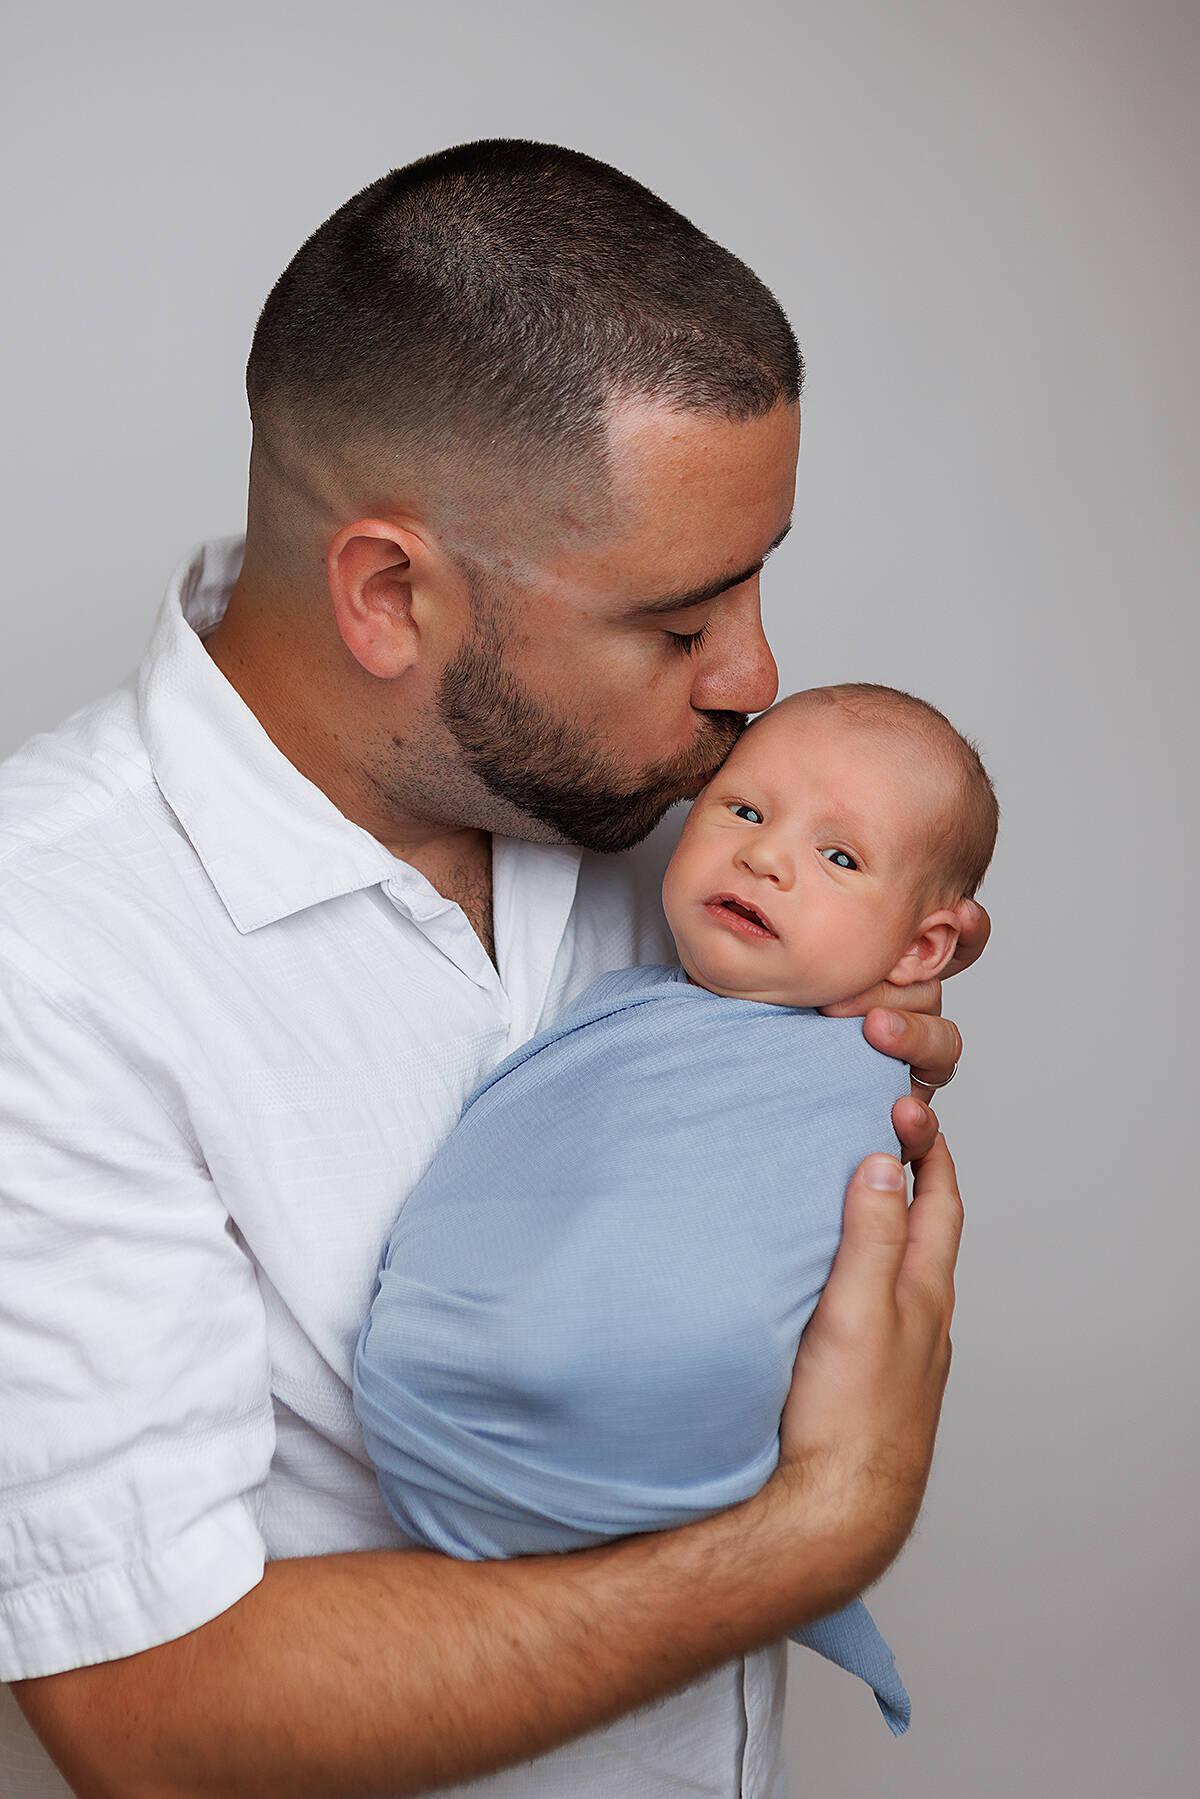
(479, 311)
(962, 835)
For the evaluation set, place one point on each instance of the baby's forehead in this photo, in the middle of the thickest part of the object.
(795, 737)
(882, 772)
(887, 755)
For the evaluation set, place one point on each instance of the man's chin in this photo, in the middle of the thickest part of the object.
(610, 822)
(607, 823)
(550, 777)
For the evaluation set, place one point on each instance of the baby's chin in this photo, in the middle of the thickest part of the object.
(798, 993)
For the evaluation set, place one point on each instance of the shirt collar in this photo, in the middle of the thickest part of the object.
(270, 841)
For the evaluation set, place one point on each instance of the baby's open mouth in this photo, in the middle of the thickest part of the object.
(750, 917)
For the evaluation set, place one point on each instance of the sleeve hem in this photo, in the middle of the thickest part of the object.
(121, 1610)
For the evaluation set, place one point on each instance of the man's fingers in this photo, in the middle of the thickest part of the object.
(888, 1245)
(934, 1227)
(930, 1046)
(871, 1253)
(915, 1125)
(882, 995)
(922, 996)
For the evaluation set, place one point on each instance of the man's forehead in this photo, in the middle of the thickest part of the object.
(659, 454)
(696, 501)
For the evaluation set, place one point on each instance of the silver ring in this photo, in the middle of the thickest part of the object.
(934, 1085)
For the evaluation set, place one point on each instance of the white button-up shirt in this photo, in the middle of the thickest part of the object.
(233, 1030)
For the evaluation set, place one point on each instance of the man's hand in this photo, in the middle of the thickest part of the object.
(907, 1022)
(394, 1673)
(858, 1429)
(344, 1676)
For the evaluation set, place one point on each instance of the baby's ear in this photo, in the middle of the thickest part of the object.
(930, 948)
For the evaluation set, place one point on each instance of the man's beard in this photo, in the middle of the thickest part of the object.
(549, 768)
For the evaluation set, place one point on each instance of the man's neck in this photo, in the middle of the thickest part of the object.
(456, 860)
(462, 871)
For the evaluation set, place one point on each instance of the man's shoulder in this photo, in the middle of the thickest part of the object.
(80, 825)
(71, 778)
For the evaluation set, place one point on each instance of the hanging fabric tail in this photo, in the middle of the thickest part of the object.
(850, 1638)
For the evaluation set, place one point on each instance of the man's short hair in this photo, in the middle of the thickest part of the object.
(489, 302)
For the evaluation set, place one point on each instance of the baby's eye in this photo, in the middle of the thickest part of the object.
(843, 858)
(749, 813)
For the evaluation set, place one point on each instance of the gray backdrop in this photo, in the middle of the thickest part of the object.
(983, 221)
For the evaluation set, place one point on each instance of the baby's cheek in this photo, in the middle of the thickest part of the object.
(863, 953)
(678, 882)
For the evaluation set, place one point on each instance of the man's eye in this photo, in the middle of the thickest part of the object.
(749, 813)
(688, 641)
(843, 858)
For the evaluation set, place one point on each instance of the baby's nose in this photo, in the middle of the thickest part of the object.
(769, 861)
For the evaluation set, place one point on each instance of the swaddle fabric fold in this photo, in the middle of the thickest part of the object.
(589, 1306)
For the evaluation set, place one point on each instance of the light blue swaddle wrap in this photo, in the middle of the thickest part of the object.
(589, 1307)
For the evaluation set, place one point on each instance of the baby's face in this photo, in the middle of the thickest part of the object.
(795, 880)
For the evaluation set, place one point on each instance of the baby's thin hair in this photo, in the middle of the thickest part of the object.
(963, 835)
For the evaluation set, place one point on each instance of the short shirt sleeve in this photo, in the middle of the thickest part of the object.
(136, 1425)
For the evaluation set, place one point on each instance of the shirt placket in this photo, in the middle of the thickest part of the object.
(762, 1696)
(444, 924)
(534, 890)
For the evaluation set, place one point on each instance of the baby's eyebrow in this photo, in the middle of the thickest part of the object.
(699, 596)
(844, 820)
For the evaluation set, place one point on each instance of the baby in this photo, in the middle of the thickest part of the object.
(590, 1306)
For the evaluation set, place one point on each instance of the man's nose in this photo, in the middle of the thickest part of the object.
(738, 672)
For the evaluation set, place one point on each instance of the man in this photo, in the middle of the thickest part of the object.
(523, 439)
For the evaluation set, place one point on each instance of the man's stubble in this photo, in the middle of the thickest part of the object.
(547, 766)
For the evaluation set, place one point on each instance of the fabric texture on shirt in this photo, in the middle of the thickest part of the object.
(234, 1030)
(590, 1305)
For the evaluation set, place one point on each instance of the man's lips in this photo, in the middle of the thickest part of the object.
(739, 915)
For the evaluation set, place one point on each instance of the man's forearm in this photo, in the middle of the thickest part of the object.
(398, 1672)
(390, 1673)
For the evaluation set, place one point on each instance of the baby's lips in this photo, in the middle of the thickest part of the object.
(752, 911)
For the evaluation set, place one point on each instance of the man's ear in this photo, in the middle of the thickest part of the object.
(929, 949)
(371, 566)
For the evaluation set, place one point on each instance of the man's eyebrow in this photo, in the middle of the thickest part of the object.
(697, 596)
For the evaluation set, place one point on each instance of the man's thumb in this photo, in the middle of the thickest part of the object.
(874, 1233)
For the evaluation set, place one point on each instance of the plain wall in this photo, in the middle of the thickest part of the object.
(982, 220)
